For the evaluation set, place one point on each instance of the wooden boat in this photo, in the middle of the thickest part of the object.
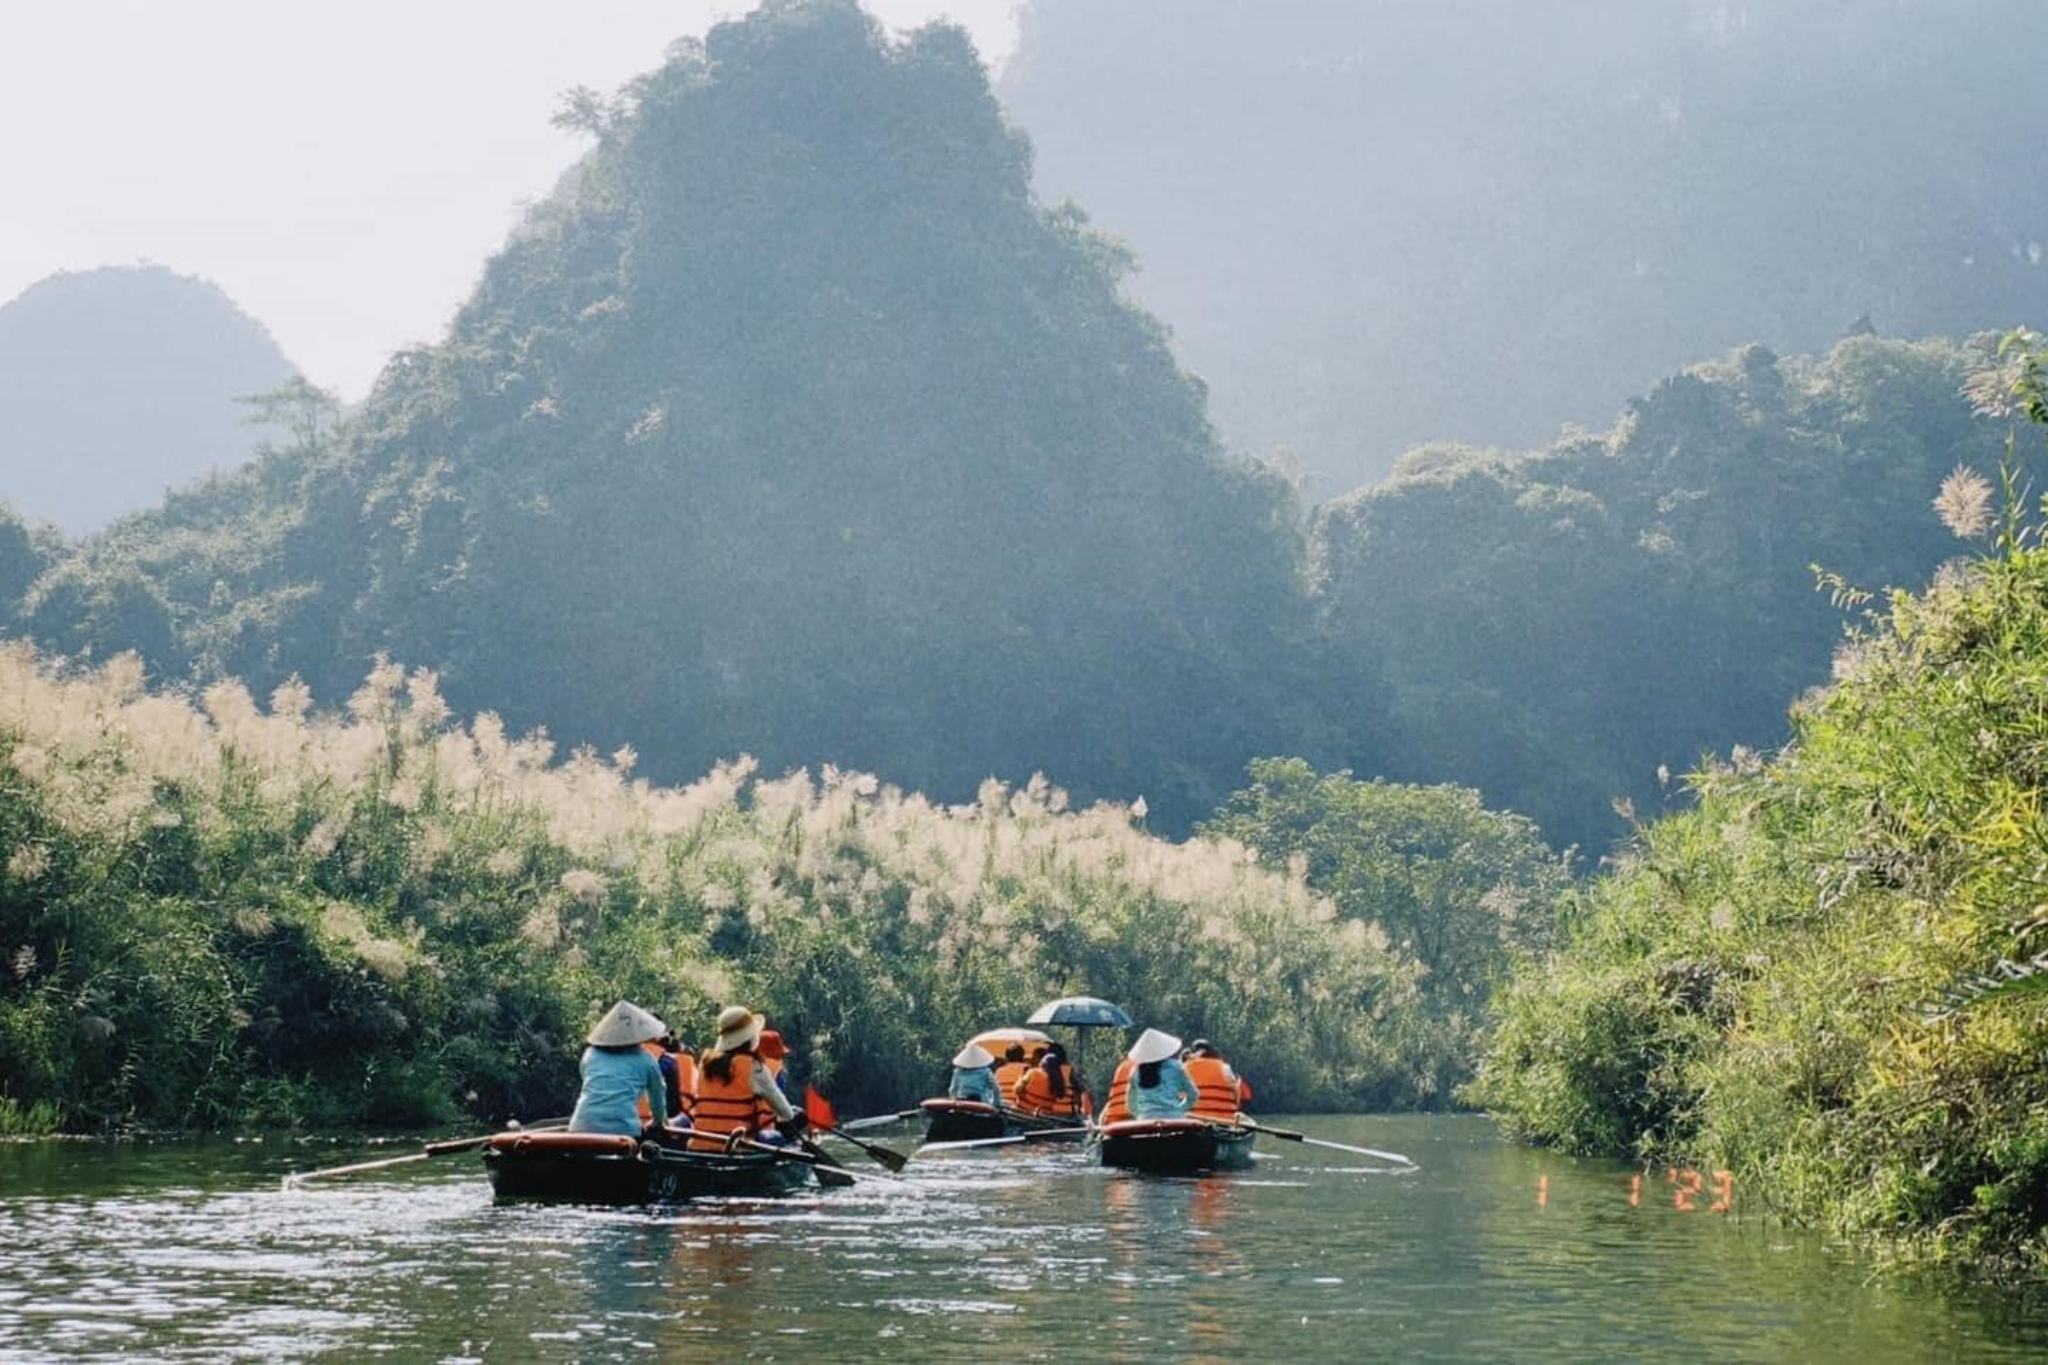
(948, 1120)
(1180, 1146)
(599, 1168)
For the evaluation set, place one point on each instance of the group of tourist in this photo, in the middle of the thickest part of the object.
(638, 1080)
(1159, 1078)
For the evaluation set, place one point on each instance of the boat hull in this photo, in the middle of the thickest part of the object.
(541, 1167)
(1176, 1146)
(973, 1121)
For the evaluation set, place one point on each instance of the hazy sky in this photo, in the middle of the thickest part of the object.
(342, 170)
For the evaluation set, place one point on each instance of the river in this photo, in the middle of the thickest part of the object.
(1488, 1251)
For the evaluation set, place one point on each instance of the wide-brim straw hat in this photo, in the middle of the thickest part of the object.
(624, 1025)
(1153, 1046)
(738, 1027)
(973, 1057)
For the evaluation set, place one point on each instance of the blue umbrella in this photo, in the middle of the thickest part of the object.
(1081, 1013)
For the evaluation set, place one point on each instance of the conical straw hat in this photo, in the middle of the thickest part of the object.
(1153, 1046)
(625, 1025)
(973, 1057)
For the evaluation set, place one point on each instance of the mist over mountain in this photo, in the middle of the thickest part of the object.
(118, 383)
(793, 425)
(1373, 226)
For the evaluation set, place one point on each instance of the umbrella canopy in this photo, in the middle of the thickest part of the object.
(1080, 1011)
(998, 1040)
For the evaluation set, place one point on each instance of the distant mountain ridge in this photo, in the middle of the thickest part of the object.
(1375, 225)
(794, 425)
(119, 383)
(791, 425)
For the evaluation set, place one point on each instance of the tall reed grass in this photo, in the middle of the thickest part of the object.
(218, 910)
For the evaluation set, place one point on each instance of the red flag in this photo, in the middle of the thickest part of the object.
(818, 1109)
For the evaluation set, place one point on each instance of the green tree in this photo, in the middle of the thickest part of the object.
(1457, 887)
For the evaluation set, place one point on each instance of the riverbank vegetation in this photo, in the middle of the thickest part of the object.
(1824, 977)
(215, 911)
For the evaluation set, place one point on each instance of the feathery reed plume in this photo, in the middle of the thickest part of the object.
(1964, 503)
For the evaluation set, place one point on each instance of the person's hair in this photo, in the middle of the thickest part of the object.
(1053, 1064)
(718, 1065)
(1014, 1053)
(1148, 1074)
(616, 1047)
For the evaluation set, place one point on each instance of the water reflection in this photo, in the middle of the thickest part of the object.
(191, 1249)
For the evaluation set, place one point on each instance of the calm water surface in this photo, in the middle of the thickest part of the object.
(192, 1249)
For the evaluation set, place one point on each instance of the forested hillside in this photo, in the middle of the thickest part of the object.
(1554, 628)
(1375, 225)
(117, 384)
(1827, 977)
(790, 424)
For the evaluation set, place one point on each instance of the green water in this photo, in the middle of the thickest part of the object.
(193, 1249)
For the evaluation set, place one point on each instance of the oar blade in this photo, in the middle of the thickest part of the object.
(888, 1158)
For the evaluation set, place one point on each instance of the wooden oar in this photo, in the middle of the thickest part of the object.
(828, 1170)
(432, 1149)
(890, 1159)
(1288, 1135)
(818, 1112)
(1012, 1140)
(878, 1121)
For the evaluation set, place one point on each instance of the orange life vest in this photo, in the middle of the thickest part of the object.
(1007, 1076)
(727, 1106)
(1117, 1107)
(686, 1085)
(1033, 1093)
(1220, 1094)
(653, 1049)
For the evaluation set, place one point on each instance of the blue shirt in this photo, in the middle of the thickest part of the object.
(1173, 1097)
(976, 1084)
(613, 1082)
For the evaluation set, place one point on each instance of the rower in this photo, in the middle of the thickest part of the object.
(974, 1077)
(1159, 1087)
(1221, 1093)
(619, 1077)
(1047, 1090)
(736, 1096)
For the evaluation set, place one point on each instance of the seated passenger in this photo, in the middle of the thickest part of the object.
(974, 1077)
(679, 1078)
(1117, 1107)
(736, 1097)
(1160, 1088)
(1048, 1089)
(619, 1076)
(1012, 1070)
(1223, 1092)
(774, 1054)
